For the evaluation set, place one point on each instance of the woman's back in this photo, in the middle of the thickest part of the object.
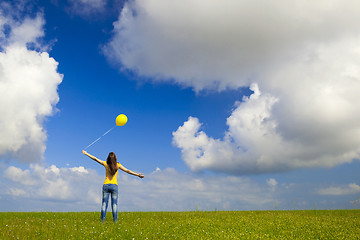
(111, 178)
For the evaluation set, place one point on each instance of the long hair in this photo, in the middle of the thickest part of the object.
(112, 163)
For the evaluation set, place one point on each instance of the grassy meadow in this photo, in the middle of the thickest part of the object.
(307, 224)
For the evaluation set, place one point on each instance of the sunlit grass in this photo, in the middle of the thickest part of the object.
(311, 224)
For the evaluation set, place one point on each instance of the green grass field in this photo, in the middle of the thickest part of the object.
(309, 224)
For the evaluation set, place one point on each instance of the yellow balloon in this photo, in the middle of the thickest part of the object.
(121, 120)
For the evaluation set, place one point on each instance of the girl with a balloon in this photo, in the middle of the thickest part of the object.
(110, 187)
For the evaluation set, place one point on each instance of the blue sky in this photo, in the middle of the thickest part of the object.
(229, 106)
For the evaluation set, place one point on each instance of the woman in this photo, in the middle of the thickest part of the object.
(110, 186)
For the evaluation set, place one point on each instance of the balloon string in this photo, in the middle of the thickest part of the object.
(99, 138)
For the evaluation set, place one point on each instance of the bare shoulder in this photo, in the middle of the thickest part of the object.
(121, 166)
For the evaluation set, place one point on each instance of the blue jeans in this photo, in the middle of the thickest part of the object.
(109, 189)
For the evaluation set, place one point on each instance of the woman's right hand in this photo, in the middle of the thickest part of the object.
(84, 152)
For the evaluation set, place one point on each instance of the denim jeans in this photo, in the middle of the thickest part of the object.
(109, 189)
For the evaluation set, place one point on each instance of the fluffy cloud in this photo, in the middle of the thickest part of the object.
(302, 56)
(163, 190)
(271, 182)
(257, 141)
(250, 145)
(221, 44)
(28, 89)
(53, 184)
(79, 189)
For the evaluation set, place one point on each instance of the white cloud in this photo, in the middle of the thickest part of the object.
(17, 175)
(63, 189)
(15, 192)
(170, 190)
(258, 141)
(271, 182)
(250, 145)
(352, 188)
(28, 90)
(53, 183)
(79, 170)
(303, 56)
(27, 31)
(162, 190)
(220, 44)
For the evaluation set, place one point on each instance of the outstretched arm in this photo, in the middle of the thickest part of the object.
(140, 175)
(93, 157)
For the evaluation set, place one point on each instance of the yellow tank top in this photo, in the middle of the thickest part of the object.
(110, 179)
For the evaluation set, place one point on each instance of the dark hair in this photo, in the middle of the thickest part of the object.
(112, 163)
